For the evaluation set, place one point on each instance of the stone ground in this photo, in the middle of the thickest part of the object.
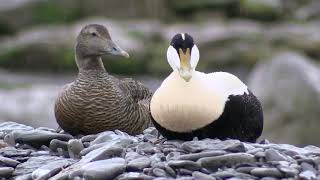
(42, 153)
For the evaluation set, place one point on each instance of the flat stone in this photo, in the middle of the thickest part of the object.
(13, 152)
(213, 144)
(196, 156)
(129, 176)
(23, 177)
(273, 155)
(170, 171)
(213, 163)
(264, 172)
(184, 172)
(8, 162)
(307, 167)
(88, 138)
(56, 143)
(201, 176)
(37, 138)
(139, 164)
(246, 170)
(145, 148)
(6, 171)
(34, 163)
(159, 172)
(51, 169)
(288, 171)
(190, 165)
(306, 175)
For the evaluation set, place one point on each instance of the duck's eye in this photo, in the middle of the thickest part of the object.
(94, 34)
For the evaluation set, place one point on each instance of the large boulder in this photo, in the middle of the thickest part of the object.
(288, 86)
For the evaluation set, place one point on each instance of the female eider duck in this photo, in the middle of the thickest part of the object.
(97, 101)
(192, 104)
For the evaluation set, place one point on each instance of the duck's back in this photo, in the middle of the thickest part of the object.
(99, 102)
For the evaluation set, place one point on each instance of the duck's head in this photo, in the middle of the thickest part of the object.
(183, 55)
(94, 40)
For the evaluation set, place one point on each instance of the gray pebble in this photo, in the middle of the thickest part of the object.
(8, 162)
(246, 170)
(102, 169)
(88, 138)
(23, 177)
(159, 172)
(129, 176)
(201, 176)
(213, 163)
(50, 169)
(263, 172)
(288, 171)
(184, 172)
(196, 156)
(6, 171)
(13, 152)
(190, 165)
(273, 155)
(307, 167)
(139, 164)
(75, 146)
(306, 175)
(170, 171)
(145, 148)
(185, 178)
(56, 143)
(260, 154)
(213, 144)
(173, 156)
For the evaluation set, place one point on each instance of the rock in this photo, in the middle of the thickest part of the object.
(105, 152)
(102, 169)
(8, 162)
(23, 177)
(34, 163)
(265, 172)
(196, 156)
(38, 138)
(13, 152)
(74, 148)
(273, 155)
(201, 176)
(170, 171)
(210, 144)
(50, 169)
(145, 148)
(89, 138)
(139, 164)
(159, 172)
(213, 163)
(288, 171)
(306, 175)
(56, 143)
(281, 82)
(8, 127)
(6, 171)
(190, 165)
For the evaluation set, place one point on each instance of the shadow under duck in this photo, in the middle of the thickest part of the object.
(97, 101)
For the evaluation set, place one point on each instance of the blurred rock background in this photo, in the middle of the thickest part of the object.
(272, 45)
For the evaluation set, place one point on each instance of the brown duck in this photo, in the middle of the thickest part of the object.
(97, 101)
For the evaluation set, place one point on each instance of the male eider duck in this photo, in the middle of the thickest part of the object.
(192, 104)
(97, 101)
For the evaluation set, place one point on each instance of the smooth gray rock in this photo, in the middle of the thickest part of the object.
(139, 164)
(56, 143)
(8, 127)
(190, 165)
(6, 171)
(170, 171)
(38, 138)
(8, 162)
(196, 156)
(13, 152)
(213, 144)
(75, 146)
(273, 155)
(184, 172)
(201, 176)
(129, 176)
(103, 169)
(145, 148)
(50, 169)
(159, 172)
(23, 177)
(306, 175)
(265, 172)
(288, 171)
(213, 163)
(34, 163)
(280, 82)
(89, 138)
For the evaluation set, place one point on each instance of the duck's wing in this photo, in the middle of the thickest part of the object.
(136, 90)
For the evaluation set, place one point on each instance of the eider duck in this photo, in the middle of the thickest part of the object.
(97, 101)
(192, 104)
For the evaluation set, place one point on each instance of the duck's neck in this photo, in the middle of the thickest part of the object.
(89, 63)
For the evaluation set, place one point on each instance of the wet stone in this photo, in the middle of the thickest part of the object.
(213, 144)
(23, 177)
(184, 172)
(8, 162)
(196, 156)
(159, 172)
(145, 148)
(307, 167)
(288, 171)
(88, 138)
(75, 146)
(245, 169)
(306, 175)
(265, 172)
(13, 152)
(170, 171)
(190, 165)
(56, 143)
(213, 163)
(139, 164)
(273, 155)
(201, 176)
(6, 171)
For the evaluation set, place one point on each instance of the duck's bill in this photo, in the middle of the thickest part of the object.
(117, 51)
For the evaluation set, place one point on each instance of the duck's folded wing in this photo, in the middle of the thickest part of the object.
(135, 89)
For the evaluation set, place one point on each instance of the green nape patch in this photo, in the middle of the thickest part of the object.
(52, 12)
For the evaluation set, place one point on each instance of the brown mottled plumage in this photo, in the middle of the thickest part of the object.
(97, 101)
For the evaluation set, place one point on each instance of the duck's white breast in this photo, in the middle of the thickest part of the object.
(185, 106)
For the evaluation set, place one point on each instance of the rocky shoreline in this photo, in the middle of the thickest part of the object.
(42, 153)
